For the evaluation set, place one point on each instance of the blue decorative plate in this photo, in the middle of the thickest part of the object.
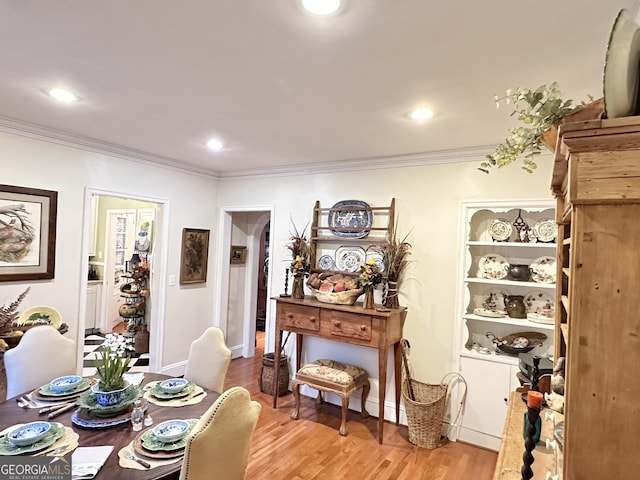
(83, 417)
(349, 214)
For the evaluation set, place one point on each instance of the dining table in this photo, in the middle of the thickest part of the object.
(119, 436)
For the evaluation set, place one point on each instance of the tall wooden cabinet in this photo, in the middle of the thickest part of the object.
(596, 181)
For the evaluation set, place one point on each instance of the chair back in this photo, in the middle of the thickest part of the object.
(209, 359)
(42, 355)
(219, 444)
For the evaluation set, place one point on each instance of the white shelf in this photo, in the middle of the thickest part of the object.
(520, 322)
(514, 283)
(490, 357)
(551, 246)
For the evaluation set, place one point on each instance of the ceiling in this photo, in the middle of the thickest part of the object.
(284, 89)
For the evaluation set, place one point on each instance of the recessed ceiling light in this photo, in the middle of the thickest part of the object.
(215, 144)
(321, 7)
(62, 95)
(421, 114)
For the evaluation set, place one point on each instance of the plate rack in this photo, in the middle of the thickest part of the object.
(325, 242)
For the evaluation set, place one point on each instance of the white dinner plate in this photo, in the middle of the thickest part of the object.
(493, 266)
(543, 270)
(349, 259)
(546, 230)
(500, 230)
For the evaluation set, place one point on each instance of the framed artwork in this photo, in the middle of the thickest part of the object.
(194, 255)
(144, 229)
(238, 255)
(27, 233)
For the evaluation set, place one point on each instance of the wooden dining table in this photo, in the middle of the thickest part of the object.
(118, 436)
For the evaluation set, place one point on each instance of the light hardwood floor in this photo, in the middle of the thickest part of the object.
(311, 448)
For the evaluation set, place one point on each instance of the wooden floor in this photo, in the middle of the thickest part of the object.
(311, 448)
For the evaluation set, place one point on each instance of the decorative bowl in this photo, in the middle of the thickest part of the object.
(173, 385)
(348, 297)
(29, 434)
(171, 430)
(514, 345)
(65, 384)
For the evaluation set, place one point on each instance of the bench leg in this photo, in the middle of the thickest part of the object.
(365, 393)
(295, 413)
(345, 407)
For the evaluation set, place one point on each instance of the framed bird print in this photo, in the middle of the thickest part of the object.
(27, 233)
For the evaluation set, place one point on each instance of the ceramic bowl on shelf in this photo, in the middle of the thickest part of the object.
(171, 431)
(173, 385)
(65, 384)
(29, 434)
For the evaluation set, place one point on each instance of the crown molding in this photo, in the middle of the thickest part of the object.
(38, 132)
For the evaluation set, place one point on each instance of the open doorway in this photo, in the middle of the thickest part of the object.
(263, 275)
(124, 271)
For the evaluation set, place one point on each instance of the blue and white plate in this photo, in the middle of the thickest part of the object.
(51, 436)
(171, 430)
(325, 262)
(29, 433)
(348, 214)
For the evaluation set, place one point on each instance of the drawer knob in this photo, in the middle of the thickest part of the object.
(289, 315)
(336, 323)
(363, 328)
(312, 319)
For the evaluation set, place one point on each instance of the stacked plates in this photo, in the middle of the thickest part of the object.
(53, 434)
(147, 445)
(158, 392)
(46, 394)
(93, 415)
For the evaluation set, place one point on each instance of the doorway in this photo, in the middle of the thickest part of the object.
(263, 275)
(117, 226)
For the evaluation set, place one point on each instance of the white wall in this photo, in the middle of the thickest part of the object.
(192, 203)
(427, 205)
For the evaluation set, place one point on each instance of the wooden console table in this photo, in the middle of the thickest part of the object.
(346, 324)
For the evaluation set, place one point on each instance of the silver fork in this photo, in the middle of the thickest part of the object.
(137, 460)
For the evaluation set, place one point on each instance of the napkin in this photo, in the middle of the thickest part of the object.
(134, 378)
(87, 461)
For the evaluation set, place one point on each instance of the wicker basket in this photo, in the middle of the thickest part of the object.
(267, 374)
(348, 297)
(425, 413)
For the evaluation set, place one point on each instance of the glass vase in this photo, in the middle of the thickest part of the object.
(368, 298)
(298, 287)
(391, 299)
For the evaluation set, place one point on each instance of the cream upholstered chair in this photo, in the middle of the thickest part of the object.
(42, 355)
(219, 444)
(209, 359)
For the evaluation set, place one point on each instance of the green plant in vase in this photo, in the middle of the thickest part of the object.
(112, 362)
(539, 110)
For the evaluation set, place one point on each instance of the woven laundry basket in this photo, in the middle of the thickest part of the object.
(425, 412)
(268, 374)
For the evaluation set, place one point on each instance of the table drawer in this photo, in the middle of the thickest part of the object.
(299, 317)
(349, 325)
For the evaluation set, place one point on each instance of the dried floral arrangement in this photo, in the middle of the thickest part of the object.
(9, 314)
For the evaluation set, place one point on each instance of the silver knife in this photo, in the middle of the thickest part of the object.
(53, 407)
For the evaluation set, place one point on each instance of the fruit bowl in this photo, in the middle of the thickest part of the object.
(348, 297)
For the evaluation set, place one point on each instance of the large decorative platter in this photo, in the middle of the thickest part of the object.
(493, 266)
(621, 67)
(349, 259)
(539, 318)
(45, 390)
(157, 392)
(483, 312)
(500, 230)
(55, 432)
(546, 231)
(543, 270)
(150, 443)
(42, 315)
(83, 417)
(348, 214)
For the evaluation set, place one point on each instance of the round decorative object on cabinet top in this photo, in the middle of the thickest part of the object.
(500, 230)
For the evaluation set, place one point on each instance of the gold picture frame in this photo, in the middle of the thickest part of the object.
(194, 255)
(27, 233)
(238, 255)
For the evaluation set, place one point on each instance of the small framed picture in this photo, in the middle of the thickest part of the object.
(195, 254)
(238, 255)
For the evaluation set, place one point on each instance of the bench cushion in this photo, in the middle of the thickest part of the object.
(342, 374)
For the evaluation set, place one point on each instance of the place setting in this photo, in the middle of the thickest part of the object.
(38, 438)
(174, 392)
(161, 445)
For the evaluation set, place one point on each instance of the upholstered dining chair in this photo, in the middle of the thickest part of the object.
(208, 361)
(219, 444)
(42, 355)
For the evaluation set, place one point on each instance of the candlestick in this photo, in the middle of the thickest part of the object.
(286, 283)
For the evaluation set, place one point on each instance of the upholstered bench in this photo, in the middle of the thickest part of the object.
(331, 376)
